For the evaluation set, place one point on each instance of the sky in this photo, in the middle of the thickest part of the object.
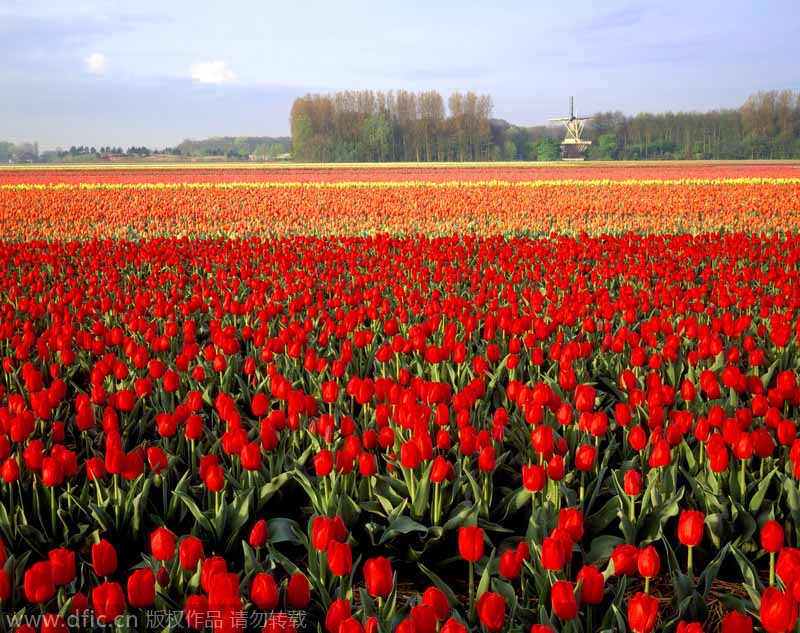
(154, 73)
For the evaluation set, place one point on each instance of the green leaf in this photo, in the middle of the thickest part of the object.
(282, 530)
(202, 519)
(601, 548)
(709, 575)
(761, 492)
(402, 525)
(483, 584)
(268, 490)
(749, 573)
(440, 584)
(601, 519)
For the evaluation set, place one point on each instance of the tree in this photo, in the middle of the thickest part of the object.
(607, 146)
(547, 150)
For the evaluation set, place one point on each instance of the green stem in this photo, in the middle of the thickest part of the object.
(689, 566)
(53, 509)
(772, 569)
(116, 500)
(471, 592)
(647, 584)
(742, 482)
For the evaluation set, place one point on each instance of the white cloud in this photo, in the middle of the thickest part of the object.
(216, 72)
(96, 63)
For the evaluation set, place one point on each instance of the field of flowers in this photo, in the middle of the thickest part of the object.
(423, 401)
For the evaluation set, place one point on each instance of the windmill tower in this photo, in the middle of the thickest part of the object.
(573, 147)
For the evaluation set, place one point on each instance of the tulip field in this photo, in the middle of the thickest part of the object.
(364, 400)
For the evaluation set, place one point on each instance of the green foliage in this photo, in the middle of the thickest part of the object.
(547, 149)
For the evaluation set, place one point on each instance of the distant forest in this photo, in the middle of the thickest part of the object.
(405, 126)
(369, 126)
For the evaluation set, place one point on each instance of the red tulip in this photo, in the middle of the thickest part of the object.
(378, 577)
(584, 457)
(649, 562)
(778, 611)
(437, 600)
(571, 520)
(510, 565)
(264, 592)
(423, 619)
(453, 626)
(323, 463)
(108, 601)
(340, 558)
(141, 588)
(338, 612)
(259, 534)
(553, 554)
(772, 537)
(470, 543)
(5, 585)
(593, 585)
(298, 591)
(690, 527)
(625, 559)
(562, 600)
(210, 568)
(633, 483)
(53, 623)
(190, 552)
(62, 564)
(196, 611)
(642, 613)
(533, 477)
(491, 610)
(162, 544)
(38, 583)
(735, 622)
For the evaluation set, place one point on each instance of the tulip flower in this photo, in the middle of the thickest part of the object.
(259, 534)
(141, 588)
(491, 609)
(437, 600)
(772, 542)
(562, 600)
(642, 613)
(778, 611)
(298, 591)
(470, 546)
(649, 565)
(378, 577)
(162, 544)
(38, 582)
(340, 558)
(735, 622)
(62, 565)
(690, 532)
(190, 551)
(104, 558)
(593, 585)
(264, 592)
(108, 601)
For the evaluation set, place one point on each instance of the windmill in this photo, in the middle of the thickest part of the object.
(573, 147)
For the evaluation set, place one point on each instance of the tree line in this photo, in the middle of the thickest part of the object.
(405, 126)
(392, 126)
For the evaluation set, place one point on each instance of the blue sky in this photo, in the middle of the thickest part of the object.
(154, 73)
